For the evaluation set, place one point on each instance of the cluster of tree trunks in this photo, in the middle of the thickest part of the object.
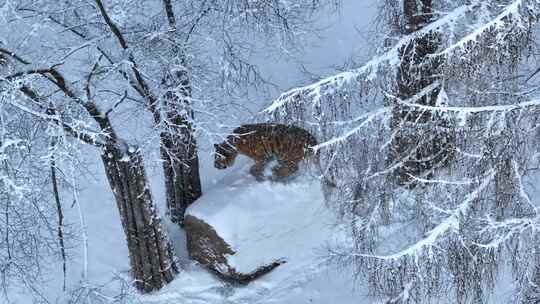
(151, 257)
(172, 115)
(150, 252)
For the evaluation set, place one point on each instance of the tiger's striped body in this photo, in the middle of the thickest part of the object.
(262, 142)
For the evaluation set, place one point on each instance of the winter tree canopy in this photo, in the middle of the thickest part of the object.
(432, 144)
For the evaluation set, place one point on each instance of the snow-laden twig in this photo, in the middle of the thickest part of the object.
(451, 223)
(391, 57)
(500, 21)
(461, 112)
(366, 120)
(506, 230)
(474, 110)
(329, 85)
(466, 181)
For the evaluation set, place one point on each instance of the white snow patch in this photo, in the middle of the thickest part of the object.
(266, 221)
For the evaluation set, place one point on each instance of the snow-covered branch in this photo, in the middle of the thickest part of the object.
(448, 225)
(513, 18)
(475, 110)
(364, 120)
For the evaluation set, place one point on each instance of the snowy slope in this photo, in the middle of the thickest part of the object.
(266, 221)
(283, 221)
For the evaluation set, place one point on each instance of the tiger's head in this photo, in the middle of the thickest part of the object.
(224, 155)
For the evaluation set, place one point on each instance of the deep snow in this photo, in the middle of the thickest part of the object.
(263, 221)
(267, 221)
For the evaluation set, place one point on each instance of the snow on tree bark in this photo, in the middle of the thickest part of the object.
(417, 144)
(151, 257)
(179, 148)
(178, 143)
(150, 252)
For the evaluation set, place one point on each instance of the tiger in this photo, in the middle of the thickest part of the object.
(267, 142)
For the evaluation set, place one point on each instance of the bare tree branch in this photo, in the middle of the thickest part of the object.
(145, 88)
(13, 55)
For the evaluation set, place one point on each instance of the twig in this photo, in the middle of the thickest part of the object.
(14, 56)
(60, 229)
(142, 85)
(124, 97)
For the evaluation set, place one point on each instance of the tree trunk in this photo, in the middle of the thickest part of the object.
(151, 256)
(178, 146)
(418, 143)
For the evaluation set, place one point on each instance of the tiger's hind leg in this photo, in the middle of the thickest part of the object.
(284, 170)
(257, 170)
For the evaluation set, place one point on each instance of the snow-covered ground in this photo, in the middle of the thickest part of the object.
(276, 220)
(264, 222)
(98, 256)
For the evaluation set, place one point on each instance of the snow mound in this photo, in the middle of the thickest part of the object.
(266, 221)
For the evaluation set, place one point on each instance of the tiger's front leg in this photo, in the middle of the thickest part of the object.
(257, 170)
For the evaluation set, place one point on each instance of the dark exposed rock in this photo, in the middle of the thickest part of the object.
(210, 250)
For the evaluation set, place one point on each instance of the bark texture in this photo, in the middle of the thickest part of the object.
(60, 213)
(179, 147)
(178, 144)
(420, 142)
(150, 253)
